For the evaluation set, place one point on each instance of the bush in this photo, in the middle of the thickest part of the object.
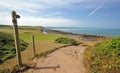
(23, 45)
(65, 40)
(103, 57)
(7, 47)
(6, 39)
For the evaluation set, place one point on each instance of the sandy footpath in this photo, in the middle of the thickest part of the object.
(65, 60)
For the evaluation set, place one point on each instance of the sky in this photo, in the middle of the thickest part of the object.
(62, 13)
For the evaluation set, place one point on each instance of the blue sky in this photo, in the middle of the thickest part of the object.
(63, 13)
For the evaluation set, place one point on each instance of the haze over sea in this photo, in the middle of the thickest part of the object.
(89, 30)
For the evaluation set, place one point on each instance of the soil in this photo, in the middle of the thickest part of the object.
(65, 60)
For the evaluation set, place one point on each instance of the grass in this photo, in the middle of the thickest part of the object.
(7, 48)
(43, 43)
(103, 57)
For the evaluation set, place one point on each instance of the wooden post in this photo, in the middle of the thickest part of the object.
(33, 44)
(16, 36)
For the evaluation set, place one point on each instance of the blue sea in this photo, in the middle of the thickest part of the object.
(90, 31)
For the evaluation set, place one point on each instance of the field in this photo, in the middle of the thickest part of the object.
(43, 43)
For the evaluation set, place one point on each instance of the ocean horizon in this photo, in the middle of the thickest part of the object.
(89, 30)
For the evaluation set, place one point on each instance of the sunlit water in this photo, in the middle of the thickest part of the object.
(90, 31)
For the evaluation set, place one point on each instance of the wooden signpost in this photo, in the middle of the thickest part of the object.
(16, 36)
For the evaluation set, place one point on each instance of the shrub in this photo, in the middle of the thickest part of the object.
(6, 39)
(7, 47)
(103, 57)
(65, 40)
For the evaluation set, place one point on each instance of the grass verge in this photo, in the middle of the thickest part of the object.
(103, 57)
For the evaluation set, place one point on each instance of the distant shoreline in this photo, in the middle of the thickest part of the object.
(83, 37)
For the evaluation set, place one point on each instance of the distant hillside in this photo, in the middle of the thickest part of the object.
(21, 27)
(7, 47)
(4, 25)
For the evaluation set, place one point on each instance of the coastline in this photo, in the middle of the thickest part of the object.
(83, 37)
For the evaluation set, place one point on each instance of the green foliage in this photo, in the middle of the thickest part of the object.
(6, 39)
(104, 57)
(7, 47)
(65, 40)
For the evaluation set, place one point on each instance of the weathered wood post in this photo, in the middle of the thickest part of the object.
(33, 44)
(16, 36)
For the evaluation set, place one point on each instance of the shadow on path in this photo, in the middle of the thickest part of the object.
(50, 67)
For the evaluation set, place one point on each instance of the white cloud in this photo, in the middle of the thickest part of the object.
(36, 6)
(5, 18)
(32, 21)
(43, 4)
(21, 5)
(39, 9)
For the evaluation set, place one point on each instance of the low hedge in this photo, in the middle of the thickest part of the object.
(65, 40)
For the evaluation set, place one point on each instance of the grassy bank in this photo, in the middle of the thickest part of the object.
(43, 43)
(103, 57)
(7, 48)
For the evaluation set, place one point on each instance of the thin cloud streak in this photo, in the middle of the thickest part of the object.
(98, 8)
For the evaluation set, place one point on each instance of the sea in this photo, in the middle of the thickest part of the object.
(89, 30)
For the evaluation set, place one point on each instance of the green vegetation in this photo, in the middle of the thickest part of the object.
(65, 40)
(103, 57)
(44, 44)
(7, 47)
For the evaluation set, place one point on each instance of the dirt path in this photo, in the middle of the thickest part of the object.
(64, 60)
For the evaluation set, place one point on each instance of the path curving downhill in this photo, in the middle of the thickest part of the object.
(65, 60)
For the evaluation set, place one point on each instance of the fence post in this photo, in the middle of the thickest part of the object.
(16, 37)
(33, 44)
